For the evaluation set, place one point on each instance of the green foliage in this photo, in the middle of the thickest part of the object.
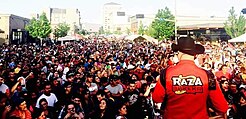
(117, 32)
(150, 31)
(235, 27)
(163, 24)
(39, 28)
(141, 29)
(108, 32)
(61, 30)
(83, 32)
(128, 31)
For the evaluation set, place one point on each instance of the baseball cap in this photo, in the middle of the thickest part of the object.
(242, 86)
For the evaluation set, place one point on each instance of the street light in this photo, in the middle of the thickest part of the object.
(175, 21)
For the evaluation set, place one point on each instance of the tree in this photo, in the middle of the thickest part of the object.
(150, 31)
(39, 28)
(61, 30)
(141, 29)
(235, 27)
(118, 32)
(83, 32)
(163, 24)
(128, 31)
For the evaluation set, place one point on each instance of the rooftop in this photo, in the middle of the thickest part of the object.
(12, 15)
(111, 3)
(202, 26)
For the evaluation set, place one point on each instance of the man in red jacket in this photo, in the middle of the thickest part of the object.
(187, 88)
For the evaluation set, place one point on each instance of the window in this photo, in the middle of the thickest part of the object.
(121, 14)
(139, 15)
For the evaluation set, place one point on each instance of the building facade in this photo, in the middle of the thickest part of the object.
(12, 29)
(69, 16)
(115, 19)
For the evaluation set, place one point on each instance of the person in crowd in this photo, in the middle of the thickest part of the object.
(67, 93)
(21, 110)
(50, 97)
(241, 110)
(121, 111)
(88, 104)
(223, 71)
(175, 80)
(44, 111)
(3, 87)
(71, 113)
(132, 96)
(103, 110)
(115, 89)
(56, 87)
(92, 87)
(224, 85)
(233, 93)
(5, 106)
(78, 106)
(103, 83)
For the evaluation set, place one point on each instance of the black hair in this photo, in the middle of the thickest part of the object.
(118, 106)
(42, 100)
(132, 82)
(67, 84)
(241, 95)
(101, 92)
(46, 84)
(3, 95)
(223, 65)
(76, 96)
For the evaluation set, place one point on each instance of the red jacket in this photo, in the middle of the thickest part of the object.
(187, 90)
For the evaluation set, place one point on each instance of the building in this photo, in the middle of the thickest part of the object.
(138, 19)
(12, 29)
(69, 16)
(115, 19)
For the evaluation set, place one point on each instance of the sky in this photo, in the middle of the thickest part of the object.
(91, 10)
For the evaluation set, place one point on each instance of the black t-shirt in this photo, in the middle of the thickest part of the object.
(131, 97)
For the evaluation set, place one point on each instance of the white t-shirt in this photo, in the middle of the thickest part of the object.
(115, 90)
(66, 69)
(93, 87)
(3, 88)
(50, 99)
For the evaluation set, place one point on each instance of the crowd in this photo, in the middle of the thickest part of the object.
(100, 79)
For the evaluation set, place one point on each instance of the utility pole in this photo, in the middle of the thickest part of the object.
(175, 21)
